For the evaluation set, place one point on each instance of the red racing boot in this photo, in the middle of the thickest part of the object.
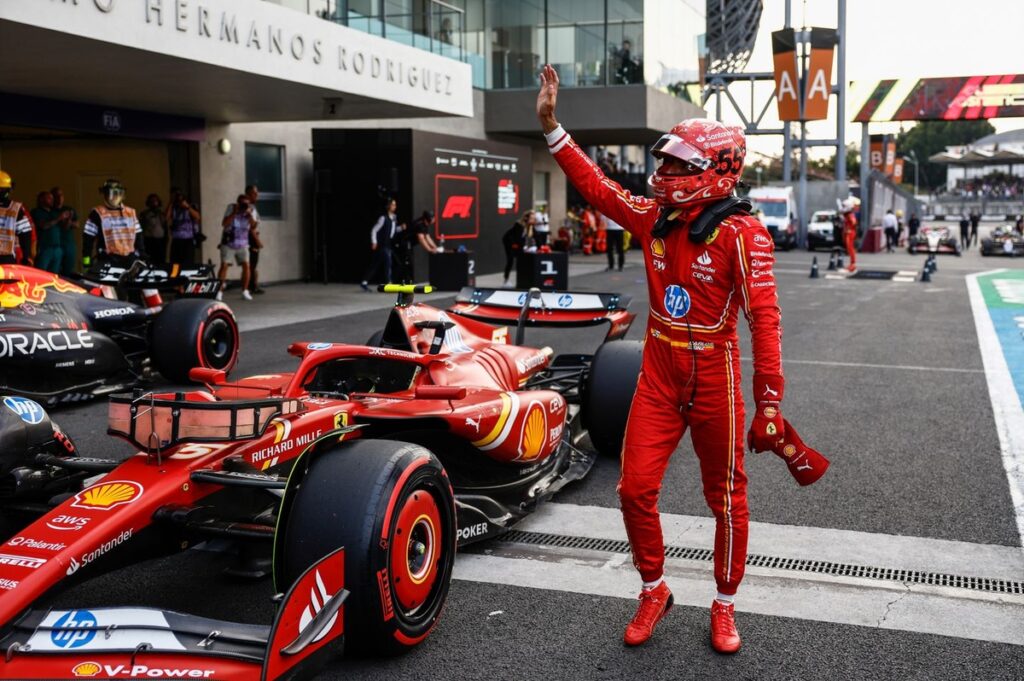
(724, 637)
(654, 604)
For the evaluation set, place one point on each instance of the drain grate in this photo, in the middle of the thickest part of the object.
(822, 567)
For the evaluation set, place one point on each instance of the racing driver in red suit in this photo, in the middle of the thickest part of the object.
(699, 273)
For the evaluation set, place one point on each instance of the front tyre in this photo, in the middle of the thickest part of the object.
(391, 506)
(193, 332)
(608, 393)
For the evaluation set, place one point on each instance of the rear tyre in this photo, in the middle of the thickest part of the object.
(391, 506)
(192, 332)
(608, 393)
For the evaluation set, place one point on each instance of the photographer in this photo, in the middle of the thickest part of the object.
(184, 220)
(234, 244)
(154, 227)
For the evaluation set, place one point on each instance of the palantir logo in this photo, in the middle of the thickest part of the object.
(74, 629)
(28, 410)
(677, 301)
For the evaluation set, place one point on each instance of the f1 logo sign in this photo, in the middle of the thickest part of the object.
(457, 207)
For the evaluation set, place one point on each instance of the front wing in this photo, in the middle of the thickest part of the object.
(128, 643)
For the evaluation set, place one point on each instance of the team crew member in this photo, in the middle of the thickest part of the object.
(850, 232)
(15, 226)
(112, 229)
(705, 257)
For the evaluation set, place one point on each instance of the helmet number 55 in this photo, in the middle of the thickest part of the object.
(729, 161)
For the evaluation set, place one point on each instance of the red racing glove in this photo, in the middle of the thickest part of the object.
(768, 427)
(805, 464)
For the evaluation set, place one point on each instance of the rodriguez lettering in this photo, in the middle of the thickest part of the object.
(21, 344)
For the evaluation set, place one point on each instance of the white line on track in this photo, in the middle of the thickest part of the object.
(781, 593)
(1006, 406)
(862, 365)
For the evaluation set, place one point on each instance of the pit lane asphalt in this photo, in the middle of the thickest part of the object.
(914, 452)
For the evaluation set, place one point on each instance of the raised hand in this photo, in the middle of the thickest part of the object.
(547, 98)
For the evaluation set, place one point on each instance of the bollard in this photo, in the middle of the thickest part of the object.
(839, 260)
(814, 268)
(926, 274)
(832, 260)
(935, 263)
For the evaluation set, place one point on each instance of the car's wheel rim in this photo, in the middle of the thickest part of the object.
(415, 550)
(218, 343)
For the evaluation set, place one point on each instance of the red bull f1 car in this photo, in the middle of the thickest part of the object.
(351, 481)
(62, 340)
(934, 239)
(1003, 240)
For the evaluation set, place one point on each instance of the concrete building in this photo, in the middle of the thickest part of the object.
(211, 95)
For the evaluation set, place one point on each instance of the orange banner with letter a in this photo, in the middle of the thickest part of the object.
(819, 74)
(787, 78)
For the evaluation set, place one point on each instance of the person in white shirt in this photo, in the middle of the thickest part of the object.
(890, 225)
(615, 236)
(541, 227)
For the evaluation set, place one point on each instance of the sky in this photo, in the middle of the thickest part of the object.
(893, 39)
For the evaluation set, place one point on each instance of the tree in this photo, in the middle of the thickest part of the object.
(930, 137)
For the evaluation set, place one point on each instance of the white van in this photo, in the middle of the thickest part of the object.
(776, 208)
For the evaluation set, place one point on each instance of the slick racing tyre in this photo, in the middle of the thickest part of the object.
(391, 506)
(193, 332)
(608, 393)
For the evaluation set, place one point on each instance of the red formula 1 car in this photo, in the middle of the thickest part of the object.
(351, 480)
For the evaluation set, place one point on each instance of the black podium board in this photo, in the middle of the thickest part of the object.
(451, 270)
(548, 271)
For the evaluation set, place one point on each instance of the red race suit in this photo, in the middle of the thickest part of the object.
(690, 376)
(850, 238)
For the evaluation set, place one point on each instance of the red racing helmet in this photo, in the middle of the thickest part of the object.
(711, 158)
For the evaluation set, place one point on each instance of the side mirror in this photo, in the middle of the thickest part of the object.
(207, 376)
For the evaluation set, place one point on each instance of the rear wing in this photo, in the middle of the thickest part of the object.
(149, 643)
(546, 308)
(197, 281)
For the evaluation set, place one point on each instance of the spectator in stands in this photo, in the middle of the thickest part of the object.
(48, 241)
(965, 225)
(68, 228)
(1019, 226)
(154, 228)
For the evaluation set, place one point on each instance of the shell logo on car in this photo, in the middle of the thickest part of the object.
(535, 432)
(86, 669)
(107, 495)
